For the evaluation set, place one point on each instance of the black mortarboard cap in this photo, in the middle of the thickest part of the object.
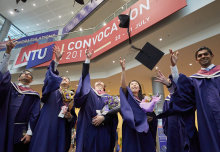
(125, 23)
(80, 2)
(149, 55)
(24, 1)
(124, 20)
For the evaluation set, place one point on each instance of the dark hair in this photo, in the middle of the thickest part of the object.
(203, 48)
(27, 71)
(104, 86)
(140, 95)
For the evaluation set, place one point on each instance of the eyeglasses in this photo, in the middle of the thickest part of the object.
(200, 55)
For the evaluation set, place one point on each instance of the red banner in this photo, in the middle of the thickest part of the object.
(144, 14)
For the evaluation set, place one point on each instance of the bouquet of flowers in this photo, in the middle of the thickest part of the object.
(149, 106)
(67, 96)
(112, 105)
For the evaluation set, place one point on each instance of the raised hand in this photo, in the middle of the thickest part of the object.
(173, 57)
(122, 63)
(58, 53)
(161, 78)
(88, 53)
(10, 45)
(123, 77)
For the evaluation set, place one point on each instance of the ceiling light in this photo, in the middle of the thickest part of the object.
(67, 71)
(190, 64)
(80, 29)
(59, 16)
(160, 39)
(48, 20)
(22, 9)
(72, 12)
(113, 61)
(34, 4)
(122, 7)
(37, 24)
(11, 12)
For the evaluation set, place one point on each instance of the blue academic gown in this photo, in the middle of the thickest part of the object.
(202, 90)
(180, 129)
(90, 138)
(17, 109)
(53, 134)
(136, 136)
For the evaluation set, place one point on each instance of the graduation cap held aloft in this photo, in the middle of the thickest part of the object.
(81, 2)
(149, 55)
(125, 23)
(24, 1)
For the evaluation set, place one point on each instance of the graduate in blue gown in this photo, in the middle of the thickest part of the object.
(179, 127)
(202, 91)
(19, 107)
(53, 130)
(136, 135)
(94, 132)
(174, 129)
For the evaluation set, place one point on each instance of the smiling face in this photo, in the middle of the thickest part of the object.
(99, 85)
(204, 58)
(134, 86)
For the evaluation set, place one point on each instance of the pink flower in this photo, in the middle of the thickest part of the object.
(149, 106)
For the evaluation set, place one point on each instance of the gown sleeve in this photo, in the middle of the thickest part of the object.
(132, 113)
(165, 119)
(52, 81)
(5, 85)
(183, 99)
(84, 87)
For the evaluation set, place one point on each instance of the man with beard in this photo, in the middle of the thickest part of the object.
(19, 107)
(202, 91)
(57, 117)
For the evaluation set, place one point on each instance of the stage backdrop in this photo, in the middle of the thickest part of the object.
(144, 14)
(28, 40)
